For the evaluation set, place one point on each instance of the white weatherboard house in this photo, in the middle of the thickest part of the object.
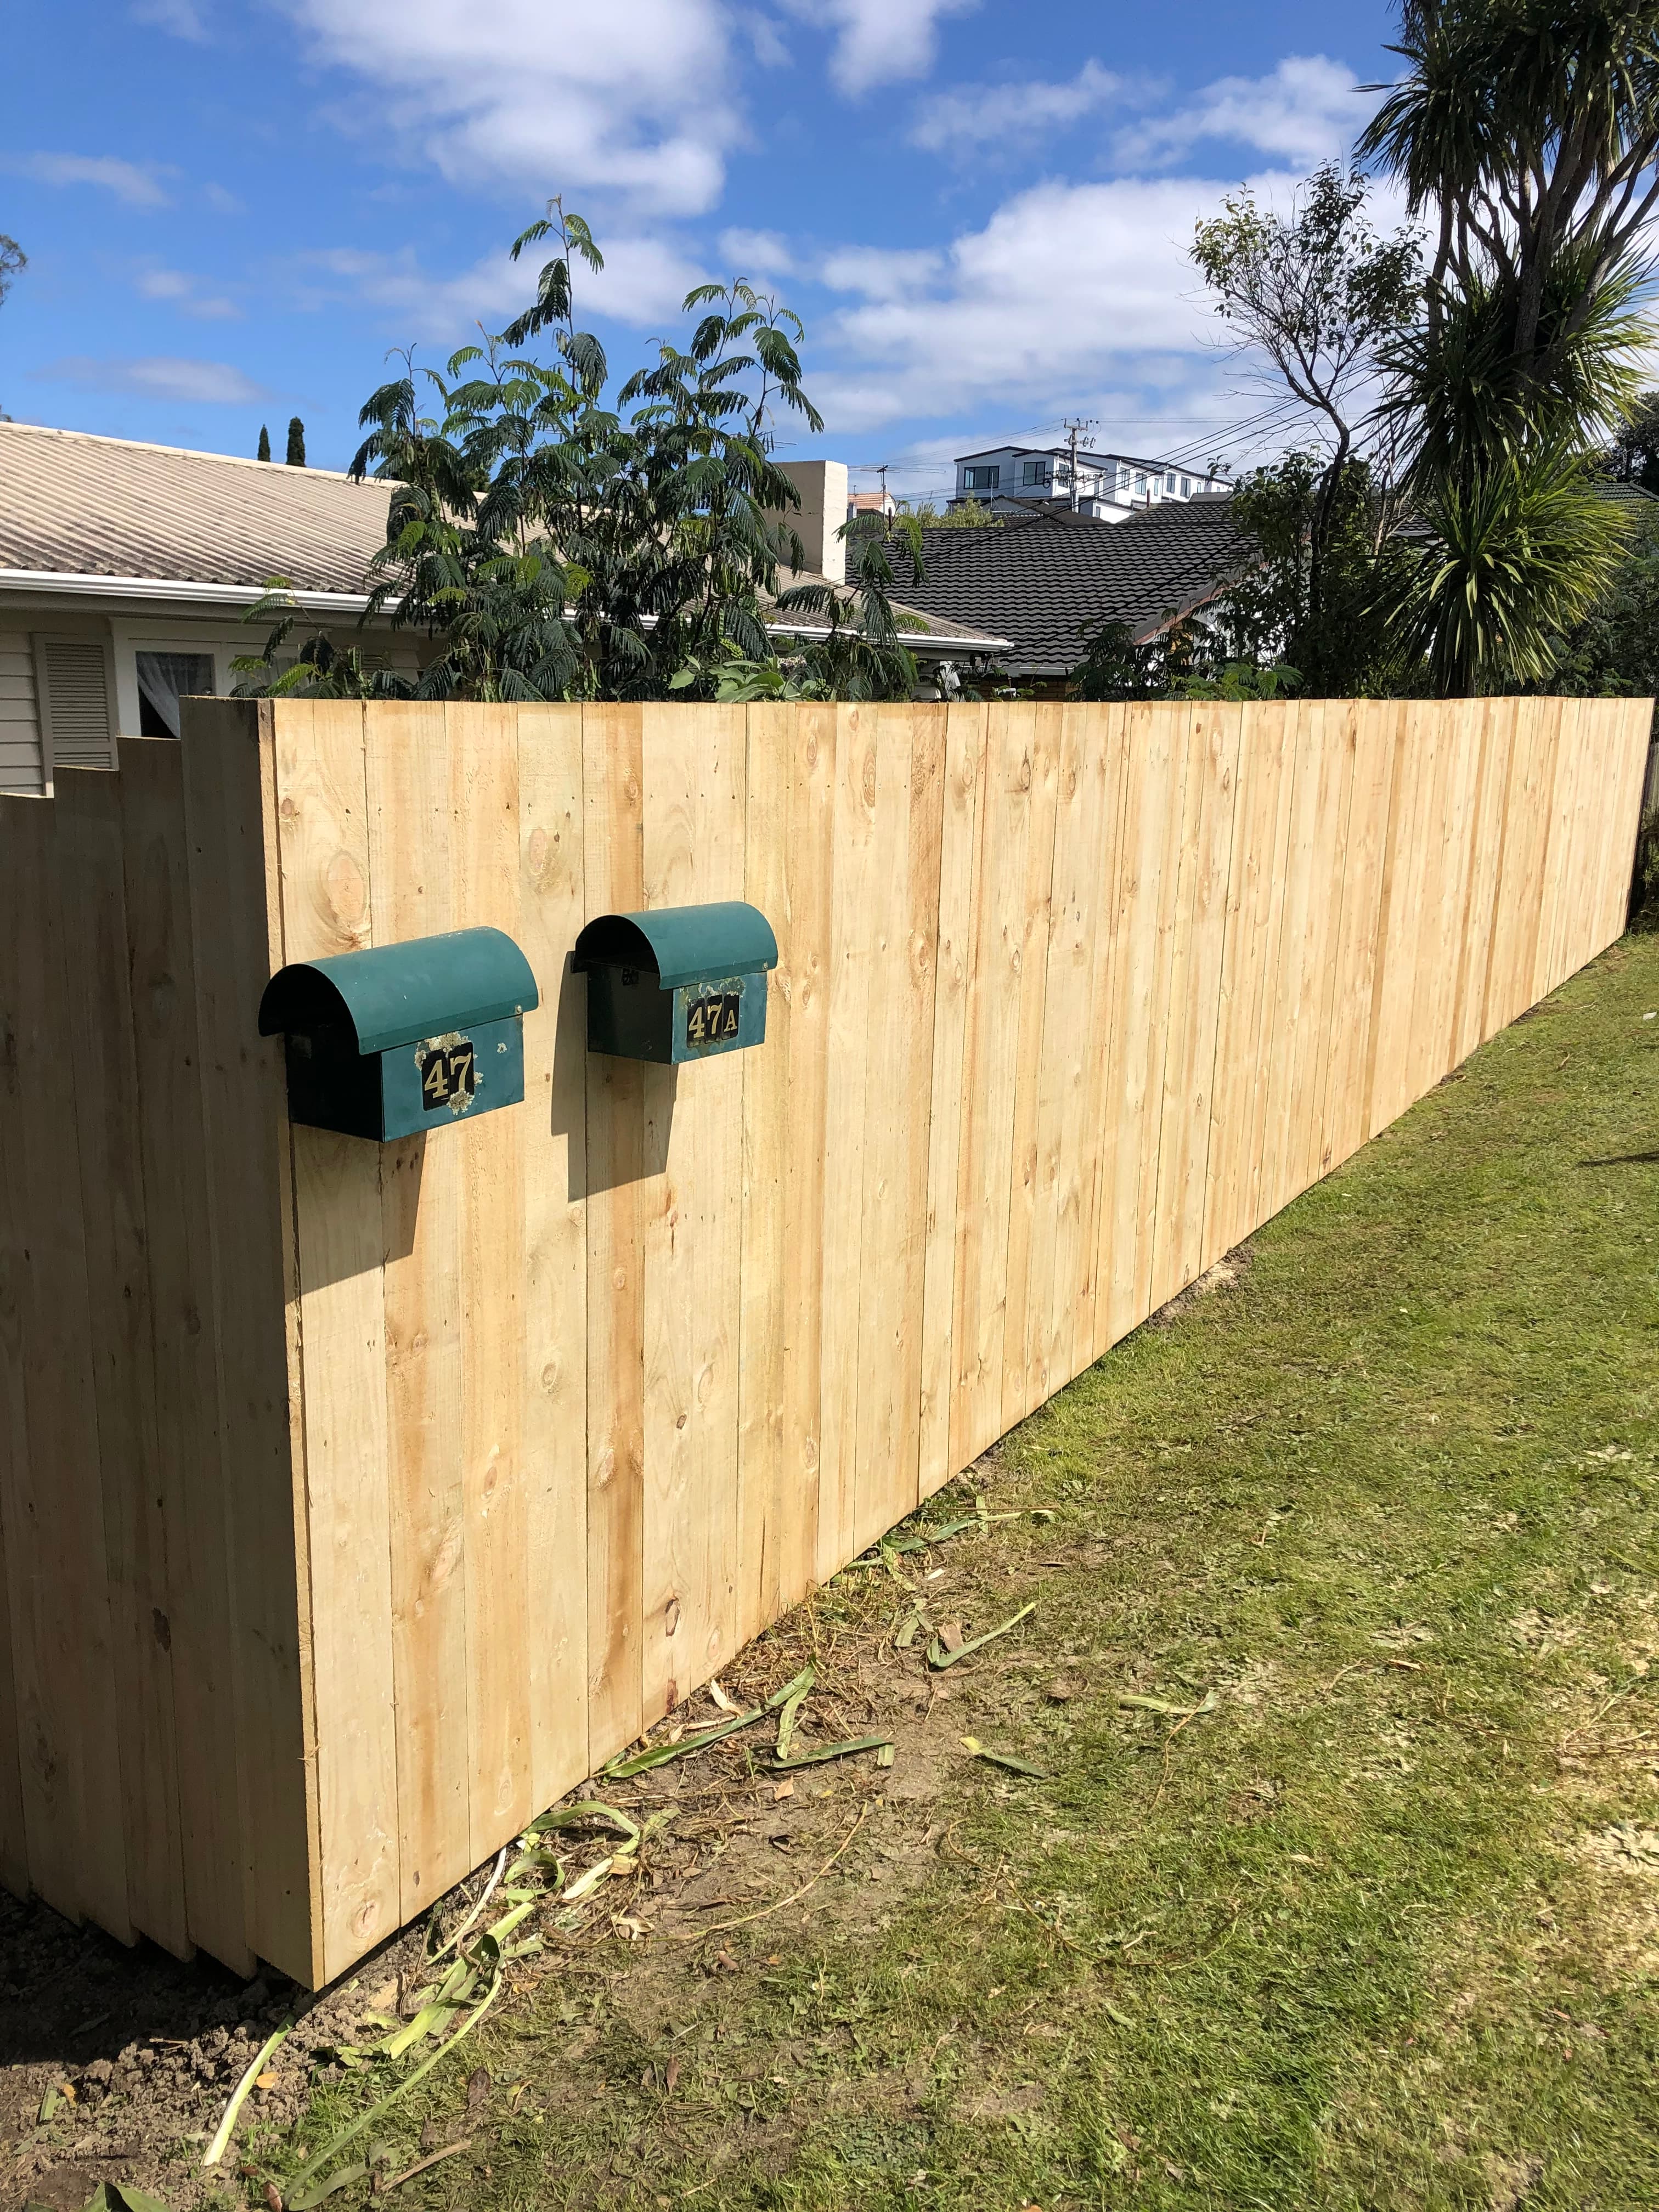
(126, 571)
(1110, 487)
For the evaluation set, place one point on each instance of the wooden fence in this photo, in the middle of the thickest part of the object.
(356, 1500)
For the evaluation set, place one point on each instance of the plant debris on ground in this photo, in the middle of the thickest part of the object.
(1241, 1788)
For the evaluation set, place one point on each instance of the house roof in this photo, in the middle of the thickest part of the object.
(74, 504)
(82, 509)
(1047, 577)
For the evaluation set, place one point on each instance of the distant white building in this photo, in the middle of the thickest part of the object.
(1110, 487)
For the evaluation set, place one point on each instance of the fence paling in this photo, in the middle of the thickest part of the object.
(356, 1501)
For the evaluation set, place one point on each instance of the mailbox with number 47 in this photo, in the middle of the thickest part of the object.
(676, 982)
(400, 1039)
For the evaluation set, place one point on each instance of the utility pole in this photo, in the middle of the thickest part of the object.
(1075, 429)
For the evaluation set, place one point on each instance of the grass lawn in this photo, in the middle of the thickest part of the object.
(1378, 1928)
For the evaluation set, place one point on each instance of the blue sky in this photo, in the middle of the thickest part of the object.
(980, 207)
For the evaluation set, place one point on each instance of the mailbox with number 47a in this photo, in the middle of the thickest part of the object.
(677, 983)
(400, 1039)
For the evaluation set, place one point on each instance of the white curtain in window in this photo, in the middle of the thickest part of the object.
(165, 678)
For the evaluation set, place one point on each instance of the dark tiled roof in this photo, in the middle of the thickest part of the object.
(1047, 577)
(1628, 495)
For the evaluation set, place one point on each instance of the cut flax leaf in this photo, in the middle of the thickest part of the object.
(330, 2152)
(972, 1744)
(937, 1656)
(817, 1758)
(1174, 1712)
(239, 2096)
(787, 1719)
(641, 1762)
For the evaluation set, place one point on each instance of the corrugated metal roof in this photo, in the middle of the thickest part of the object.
(75, 505)
(80, 505)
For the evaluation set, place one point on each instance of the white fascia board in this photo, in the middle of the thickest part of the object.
(171, 590)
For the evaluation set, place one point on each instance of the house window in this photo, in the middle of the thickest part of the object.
(165, 678)
(1169, 480)
(1186, 486)
(1033, 472)
(986, 478)
(1140, 485)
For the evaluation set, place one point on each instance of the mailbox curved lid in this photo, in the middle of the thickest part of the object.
(394, 995)
(682, 944)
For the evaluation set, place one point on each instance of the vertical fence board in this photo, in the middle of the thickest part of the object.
(990, 1072)
(410, 819)
(228, 810)
(68, 1722)
(1031, 1221)
(1065, 1132)
(322, 809)
(853, 830)
(552, 910)
(613, 859)
(791, 784)
(1109, 734)
(172, 1137)
(483, 784)
(1369, 742)
(109, 1118)
(694, 844)
(964, 755)
(1183, 1157)
(880, 1488)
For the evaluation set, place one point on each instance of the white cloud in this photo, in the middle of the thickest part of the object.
(1304, 113)
(643, 281)
(970, 117)
(139, 185)
(882, 272)
(879, 41)
(180, 17)
(756, 253)
(1068, 290)
(173, 285)
(158, 376)
(634, 99)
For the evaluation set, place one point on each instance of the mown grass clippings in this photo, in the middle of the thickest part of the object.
(1376, 1933)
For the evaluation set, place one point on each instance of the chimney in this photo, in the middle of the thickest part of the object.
(822, 514)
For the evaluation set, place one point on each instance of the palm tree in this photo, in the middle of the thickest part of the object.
(1528, 130)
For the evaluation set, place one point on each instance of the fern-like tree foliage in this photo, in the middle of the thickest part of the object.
(1526, 133)
(550, 537)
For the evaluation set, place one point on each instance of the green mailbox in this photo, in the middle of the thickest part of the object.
(679, 983)
(403, 1038)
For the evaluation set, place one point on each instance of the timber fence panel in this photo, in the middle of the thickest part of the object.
(356, 1500)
